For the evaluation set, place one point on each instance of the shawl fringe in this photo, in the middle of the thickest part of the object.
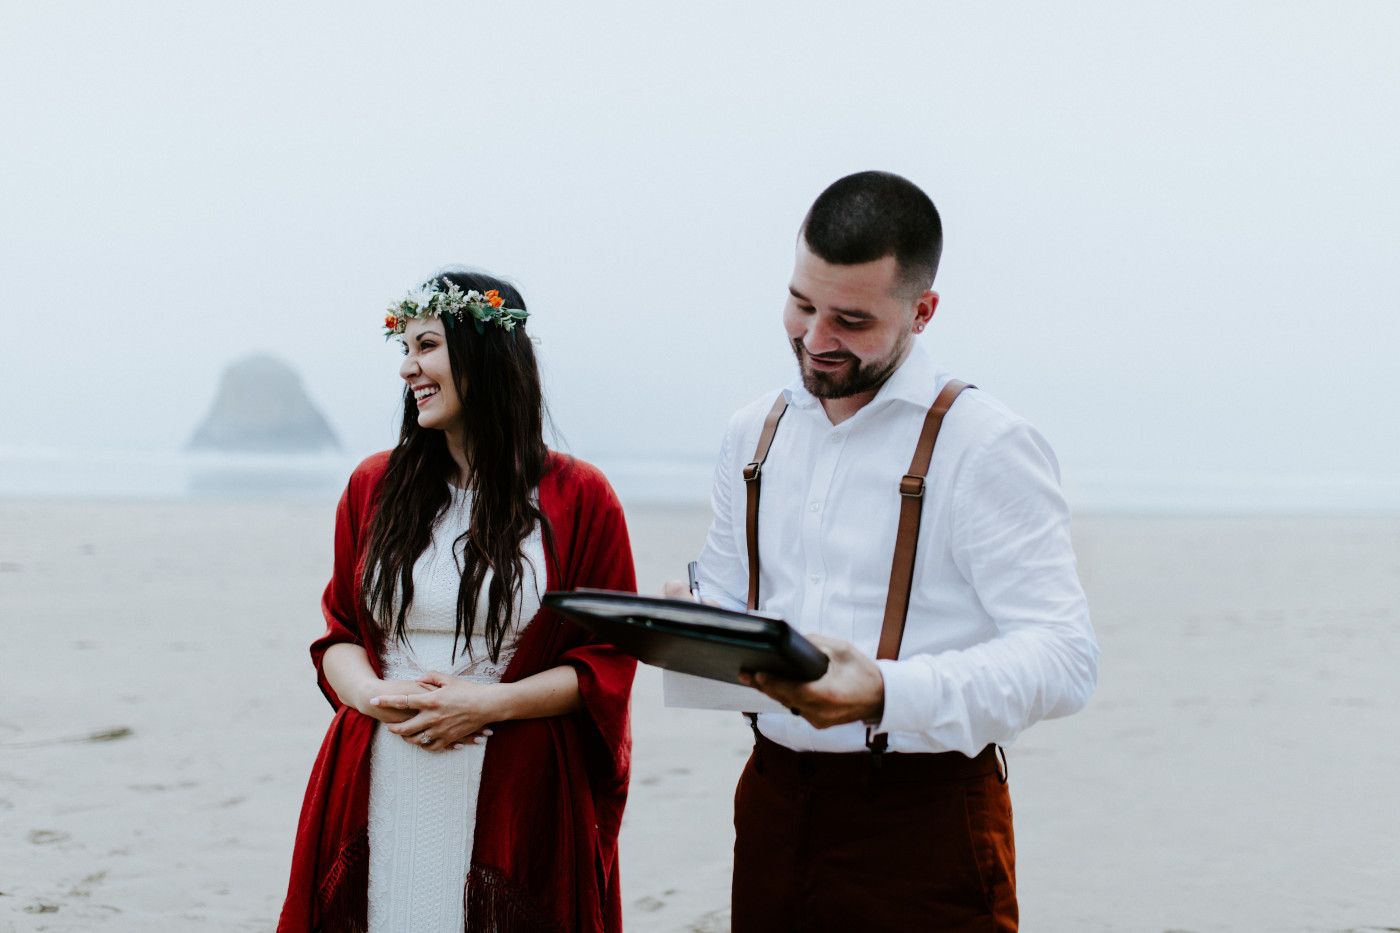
(343, 898)
(495, 904)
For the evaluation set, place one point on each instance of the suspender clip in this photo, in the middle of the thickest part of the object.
(911, 486)
(878, 745)
(757, 749)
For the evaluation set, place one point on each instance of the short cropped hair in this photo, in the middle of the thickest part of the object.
(870, 215)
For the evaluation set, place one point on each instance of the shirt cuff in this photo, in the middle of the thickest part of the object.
(908, 687)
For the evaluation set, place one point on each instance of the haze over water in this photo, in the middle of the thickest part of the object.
(1171, 232)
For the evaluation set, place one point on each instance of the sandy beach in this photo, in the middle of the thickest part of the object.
(1234, 772)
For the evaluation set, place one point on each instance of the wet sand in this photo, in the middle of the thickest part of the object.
(1234, 772)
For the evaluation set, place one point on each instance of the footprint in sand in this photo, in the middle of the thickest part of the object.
(84, 888)
(101, 735)
(715, 921)
(149, 788)
(224, 804)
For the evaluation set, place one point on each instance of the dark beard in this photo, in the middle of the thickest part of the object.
(853, 380)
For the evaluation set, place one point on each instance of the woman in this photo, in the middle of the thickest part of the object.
(477, 765)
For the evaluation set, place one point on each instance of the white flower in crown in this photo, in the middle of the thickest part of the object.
(421, 297)
(451, 305)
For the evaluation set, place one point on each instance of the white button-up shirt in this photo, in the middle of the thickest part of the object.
(998, 633)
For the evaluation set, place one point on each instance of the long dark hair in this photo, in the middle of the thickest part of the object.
(498, 382)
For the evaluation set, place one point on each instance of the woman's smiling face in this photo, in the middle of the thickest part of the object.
(428, 372)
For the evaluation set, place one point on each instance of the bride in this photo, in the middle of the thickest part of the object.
(476, 768)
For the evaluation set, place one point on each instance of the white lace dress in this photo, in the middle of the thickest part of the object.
(422, 805)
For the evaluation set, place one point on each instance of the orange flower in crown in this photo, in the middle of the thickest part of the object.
(450, 305)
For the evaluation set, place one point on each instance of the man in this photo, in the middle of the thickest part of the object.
(881, 804)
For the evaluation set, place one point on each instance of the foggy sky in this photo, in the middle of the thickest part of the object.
(1172, 230)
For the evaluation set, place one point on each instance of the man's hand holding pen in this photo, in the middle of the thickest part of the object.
(675, 589)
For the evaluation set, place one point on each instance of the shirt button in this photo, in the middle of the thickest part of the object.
(814, 507)
(816, 578)
(836, 438)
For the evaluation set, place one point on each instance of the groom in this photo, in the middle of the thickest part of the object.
(881, 805)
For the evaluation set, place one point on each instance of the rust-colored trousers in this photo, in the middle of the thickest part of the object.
(834, 842)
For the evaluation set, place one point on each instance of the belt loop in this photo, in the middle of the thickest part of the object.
(757, 752)
(1005, 769)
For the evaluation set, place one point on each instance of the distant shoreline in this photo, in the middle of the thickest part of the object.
(30, 473)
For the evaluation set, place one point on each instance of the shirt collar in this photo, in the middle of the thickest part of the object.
(915, 382)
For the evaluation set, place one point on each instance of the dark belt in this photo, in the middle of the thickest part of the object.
(782, 763)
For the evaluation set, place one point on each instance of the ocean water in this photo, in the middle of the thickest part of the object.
(64, 473)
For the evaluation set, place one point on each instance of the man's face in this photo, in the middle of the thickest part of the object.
(849, 325)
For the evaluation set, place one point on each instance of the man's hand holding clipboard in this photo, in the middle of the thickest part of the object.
(851, 690)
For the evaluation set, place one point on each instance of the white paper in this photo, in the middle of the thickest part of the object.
(686, 691)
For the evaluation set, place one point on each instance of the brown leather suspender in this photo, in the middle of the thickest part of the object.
(911, 492)
(752, 480)
(906, 541)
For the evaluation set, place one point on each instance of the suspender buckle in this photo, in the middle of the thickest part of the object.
(751, 471)
(911, 486)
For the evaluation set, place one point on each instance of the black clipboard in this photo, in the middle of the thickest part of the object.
(684, 636)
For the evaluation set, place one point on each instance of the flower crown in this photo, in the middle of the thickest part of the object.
(451, 305)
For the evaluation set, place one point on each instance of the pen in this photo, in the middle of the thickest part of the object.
(693, 570)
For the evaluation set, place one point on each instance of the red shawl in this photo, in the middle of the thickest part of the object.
(552, 790)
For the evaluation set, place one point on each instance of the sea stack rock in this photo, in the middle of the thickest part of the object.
(262, 407)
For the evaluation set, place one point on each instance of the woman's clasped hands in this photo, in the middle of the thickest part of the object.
(445, 712)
